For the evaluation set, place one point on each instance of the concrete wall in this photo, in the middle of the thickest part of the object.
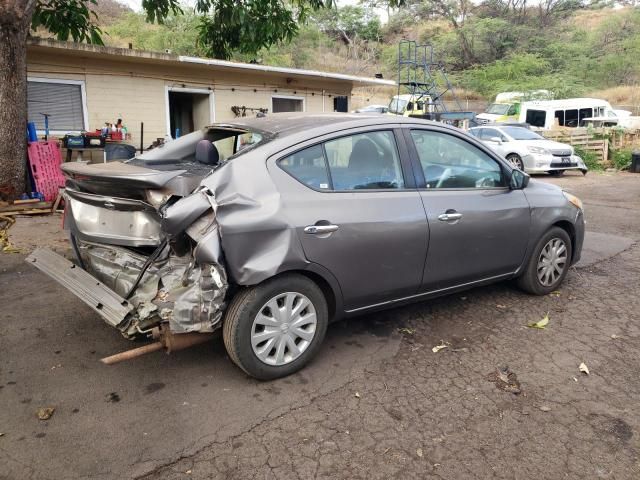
(136, 90)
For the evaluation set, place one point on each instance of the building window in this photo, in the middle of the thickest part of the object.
(287, 104)
(62, 100)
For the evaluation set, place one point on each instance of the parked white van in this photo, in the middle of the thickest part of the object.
(571, 112)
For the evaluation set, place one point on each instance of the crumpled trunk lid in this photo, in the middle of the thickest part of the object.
(147, 244)
(116, 179)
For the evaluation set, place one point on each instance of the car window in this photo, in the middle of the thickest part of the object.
(308, 166)
(364, 161)
(536, 118)
(450, 162)
(489, 133)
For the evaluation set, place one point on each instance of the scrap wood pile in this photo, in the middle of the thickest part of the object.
(30, 206)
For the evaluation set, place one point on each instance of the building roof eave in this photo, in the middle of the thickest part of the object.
(158, 57)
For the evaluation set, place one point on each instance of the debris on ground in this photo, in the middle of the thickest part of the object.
(5, 244)
(540, 324)
(406, 331)
(419, 452)
(555, 293)
(583, 368)
(113, 397)
(437, 348)
(505, 380)
(501, 307)
(545, 408)
(357, 395)
(45, 413)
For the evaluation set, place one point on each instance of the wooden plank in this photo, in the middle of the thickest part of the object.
(35, 211)
(26, 206)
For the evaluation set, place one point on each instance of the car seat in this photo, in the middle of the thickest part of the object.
(207, 153)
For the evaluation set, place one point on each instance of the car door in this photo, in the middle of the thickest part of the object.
(479, 228)
(358, 214)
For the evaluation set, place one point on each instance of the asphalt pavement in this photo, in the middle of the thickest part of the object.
(376, 403)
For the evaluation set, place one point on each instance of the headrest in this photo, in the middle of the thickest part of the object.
(207, 153)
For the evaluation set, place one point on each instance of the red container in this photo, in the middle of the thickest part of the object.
(116, 135)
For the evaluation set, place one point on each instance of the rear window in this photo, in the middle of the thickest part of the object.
(229, 141)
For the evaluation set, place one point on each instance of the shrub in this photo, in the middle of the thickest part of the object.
(621, 159)
(590, 159)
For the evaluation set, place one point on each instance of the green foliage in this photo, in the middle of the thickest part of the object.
(68, 19)
(348, 22)
(590, 159)
(223, 27)
(519, 72)
(178, 33)
(621, 159)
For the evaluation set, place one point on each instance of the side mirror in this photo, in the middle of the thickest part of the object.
(496, 140)
(519, 179)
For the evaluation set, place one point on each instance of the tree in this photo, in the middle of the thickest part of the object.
(225, 26)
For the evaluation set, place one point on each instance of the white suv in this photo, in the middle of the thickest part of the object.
(528, 151)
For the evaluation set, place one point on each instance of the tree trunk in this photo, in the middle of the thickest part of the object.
(13, 106)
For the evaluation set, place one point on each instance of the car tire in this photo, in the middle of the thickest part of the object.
(534, 279)
(515, 161)
(249, 312)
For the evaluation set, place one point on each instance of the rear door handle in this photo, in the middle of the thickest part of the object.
(449, 217)
(320, 229)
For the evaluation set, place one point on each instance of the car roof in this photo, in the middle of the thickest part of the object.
(286, 124)
(499, 126)
(567, 103)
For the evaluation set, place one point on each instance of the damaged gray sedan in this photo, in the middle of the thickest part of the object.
(270, 228)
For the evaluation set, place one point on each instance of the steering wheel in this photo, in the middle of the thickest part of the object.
(445, 176)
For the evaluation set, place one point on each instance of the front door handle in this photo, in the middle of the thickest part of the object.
(450, 217)
(320, 229)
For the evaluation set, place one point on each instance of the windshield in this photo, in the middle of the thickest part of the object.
(498, 108)
(230, 141)
(519, 133)
(398, 105)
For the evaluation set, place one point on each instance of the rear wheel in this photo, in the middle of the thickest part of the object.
(548, 264)
(275, 328)
(515, 160)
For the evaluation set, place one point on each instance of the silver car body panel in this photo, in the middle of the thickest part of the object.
(489, 239)
(246, 222)
(103, 300)
(113, 220)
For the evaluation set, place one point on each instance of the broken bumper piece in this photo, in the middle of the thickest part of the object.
(174, 290)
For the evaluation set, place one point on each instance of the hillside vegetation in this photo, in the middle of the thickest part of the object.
(497, 45)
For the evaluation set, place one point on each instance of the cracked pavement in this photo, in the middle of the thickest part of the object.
(377, 403)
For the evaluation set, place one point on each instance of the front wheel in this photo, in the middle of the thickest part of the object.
(275, 328)
(549, 263)
(515, 160)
